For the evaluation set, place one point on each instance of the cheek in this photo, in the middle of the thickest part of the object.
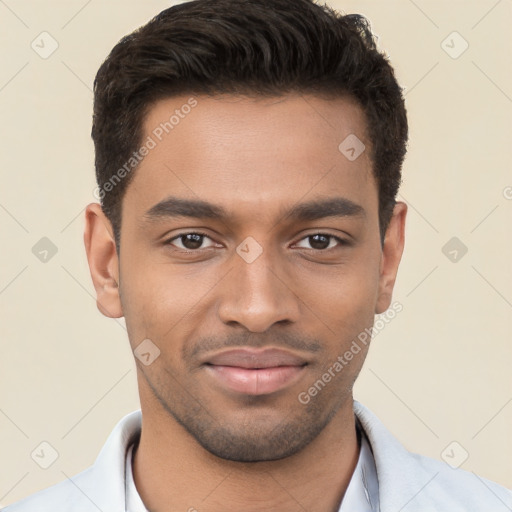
(341, 304)
(160, 299)
(345, 292)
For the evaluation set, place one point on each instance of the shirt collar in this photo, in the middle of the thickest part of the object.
(133, 500)
(362, 494)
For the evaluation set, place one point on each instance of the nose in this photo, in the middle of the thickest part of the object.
(258, 294)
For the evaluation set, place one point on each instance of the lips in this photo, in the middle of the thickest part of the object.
(256, 359)
(255, 372)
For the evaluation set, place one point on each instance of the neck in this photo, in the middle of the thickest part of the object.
(173, 472)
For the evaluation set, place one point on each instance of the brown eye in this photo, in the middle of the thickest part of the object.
(189, 241)
(322, 241)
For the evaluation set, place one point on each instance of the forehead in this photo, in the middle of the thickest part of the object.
(253, 154)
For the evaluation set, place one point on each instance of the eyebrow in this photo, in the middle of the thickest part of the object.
(172, 207)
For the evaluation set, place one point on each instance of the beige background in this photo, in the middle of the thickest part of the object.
(438, 373)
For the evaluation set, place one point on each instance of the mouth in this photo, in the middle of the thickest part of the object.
(255, 372)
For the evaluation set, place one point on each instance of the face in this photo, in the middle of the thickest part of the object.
(251, 260)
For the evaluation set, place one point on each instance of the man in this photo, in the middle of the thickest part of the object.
(248, 156)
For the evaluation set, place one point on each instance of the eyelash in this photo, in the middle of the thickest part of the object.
(341, 241)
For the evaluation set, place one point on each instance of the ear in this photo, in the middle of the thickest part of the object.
(103, 261)
(391, 254)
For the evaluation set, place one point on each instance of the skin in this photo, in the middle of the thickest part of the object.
(204, 447)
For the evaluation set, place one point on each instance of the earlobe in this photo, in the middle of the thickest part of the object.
(391, 254)
(103, 260)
